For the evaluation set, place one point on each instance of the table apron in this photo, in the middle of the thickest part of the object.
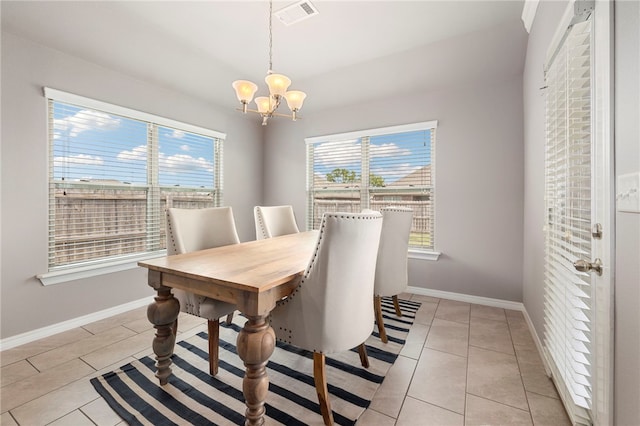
(251, 303)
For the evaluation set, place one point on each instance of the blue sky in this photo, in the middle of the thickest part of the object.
(91, 145)
(392, 156)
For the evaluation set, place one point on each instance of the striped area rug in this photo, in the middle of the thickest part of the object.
(193, 397)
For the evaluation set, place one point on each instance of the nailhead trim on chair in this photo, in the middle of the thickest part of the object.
(170, 231)
(262, 227)
(396, 209)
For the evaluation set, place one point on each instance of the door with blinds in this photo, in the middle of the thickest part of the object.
(579, 229)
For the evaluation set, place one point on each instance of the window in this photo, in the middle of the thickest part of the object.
(371, 169)
(112, 174)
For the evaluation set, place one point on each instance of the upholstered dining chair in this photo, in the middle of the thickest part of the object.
(391, 267)
(198, 229)
(331, 309)
(273, 221)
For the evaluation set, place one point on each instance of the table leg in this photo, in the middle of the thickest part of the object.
(256, 342)
(162, 313)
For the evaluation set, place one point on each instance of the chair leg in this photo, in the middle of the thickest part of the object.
(397, 305)
(320, 379)
(214, 341)
(377, 305)
(364, 359)
(230, 318)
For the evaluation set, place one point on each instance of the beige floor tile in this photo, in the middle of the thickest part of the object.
(420, 413)
(490, 334)
(425, 313)
(448, 336)
(424, 299)
(405, 296)
(440, 379)
(453, 311)
(15, 372)
(36, 386)
(415, 341)
(188, 322)
(488, 312)
(373, 418)
(75, 418)
(138, 326)
(50, 359)
(119, 351)
(495, 376)
(428, 384)
(390, 395)
(100, 413)
(116, 320)
(512, 313)
(482, 411)
(528, 357)
(27, 350)
(533, 374)
(547, 411)
(56, 404)
(520, 333)
(7, 420)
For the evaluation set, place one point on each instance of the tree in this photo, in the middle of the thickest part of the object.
(349, 176)
(375, 180)
(341, 176)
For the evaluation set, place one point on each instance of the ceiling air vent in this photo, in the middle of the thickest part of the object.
(296, 12)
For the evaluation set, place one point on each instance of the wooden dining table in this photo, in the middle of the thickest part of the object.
(253, 275)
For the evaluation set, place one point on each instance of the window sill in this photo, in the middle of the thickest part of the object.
(94, 270)
(424, 255)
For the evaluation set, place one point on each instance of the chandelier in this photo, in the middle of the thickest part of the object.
(278, 85)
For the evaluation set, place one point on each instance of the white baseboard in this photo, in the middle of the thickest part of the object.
(487, 301)
(479, 300)
(30, 336)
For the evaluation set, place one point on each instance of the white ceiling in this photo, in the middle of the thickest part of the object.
(352, 51)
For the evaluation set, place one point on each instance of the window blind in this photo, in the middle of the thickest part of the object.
(568, 292)
(373, 169)
(111, 178)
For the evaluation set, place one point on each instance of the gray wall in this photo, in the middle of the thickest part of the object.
(627, 160)
(26, 67)
(479, 180)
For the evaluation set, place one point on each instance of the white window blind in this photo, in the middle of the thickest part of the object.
(372, 169)
(568, 293)
(112, 176)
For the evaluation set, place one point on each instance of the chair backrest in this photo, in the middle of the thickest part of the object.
(274, 221)
(391, 269)
(332, 308)
(198, 229)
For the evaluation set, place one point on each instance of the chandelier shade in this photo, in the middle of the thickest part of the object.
(277, 84)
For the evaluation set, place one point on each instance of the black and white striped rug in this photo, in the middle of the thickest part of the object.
(193, 397)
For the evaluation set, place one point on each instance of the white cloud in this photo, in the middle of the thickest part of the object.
(84, 120)
(388, 150)
(337, 154)
(185, 147)
(89, 160)
(178, 134)
(138, 153)
(180, 163)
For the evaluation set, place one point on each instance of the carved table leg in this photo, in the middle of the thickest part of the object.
(256, 342)
(162, 313)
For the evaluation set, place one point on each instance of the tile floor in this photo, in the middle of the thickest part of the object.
(463, 364)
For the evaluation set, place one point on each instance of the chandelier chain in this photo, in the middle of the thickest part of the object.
(270, 70)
